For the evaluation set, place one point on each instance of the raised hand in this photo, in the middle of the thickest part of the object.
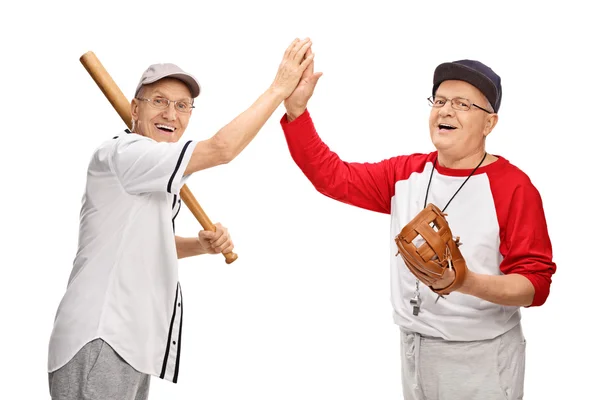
(296, 103)
(294, 63)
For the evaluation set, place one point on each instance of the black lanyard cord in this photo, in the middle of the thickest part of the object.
(455, 193)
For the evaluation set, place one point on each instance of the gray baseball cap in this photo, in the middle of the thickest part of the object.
(156, 72)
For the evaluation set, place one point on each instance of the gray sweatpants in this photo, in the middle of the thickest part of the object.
(98, 372)
(435, 369)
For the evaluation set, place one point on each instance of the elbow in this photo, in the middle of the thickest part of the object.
(537, 289)
(223, 150)
(528, 298)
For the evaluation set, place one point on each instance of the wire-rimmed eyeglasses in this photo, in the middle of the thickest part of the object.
(458, 103)
(162, 103)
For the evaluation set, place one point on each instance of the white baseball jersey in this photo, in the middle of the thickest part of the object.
(124, 286)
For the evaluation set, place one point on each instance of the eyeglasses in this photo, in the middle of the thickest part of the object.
(458, 103)
(161, 103)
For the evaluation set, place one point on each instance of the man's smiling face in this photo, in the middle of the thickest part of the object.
(459, 133)
(166, 125)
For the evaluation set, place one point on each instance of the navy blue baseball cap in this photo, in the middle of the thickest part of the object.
(474, 72)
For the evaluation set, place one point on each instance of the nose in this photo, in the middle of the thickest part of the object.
(446, 110)
(169, 113)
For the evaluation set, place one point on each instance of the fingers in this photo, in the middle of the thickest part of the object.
(290, 47)
(292, 68)
(307, 66)
(315, 78)
(311, 67)
(227, 247)
(307, 61)
(299, 51)
(207, 236)
(220, 240)
(445, 280)
(295, 48)
(297, 44)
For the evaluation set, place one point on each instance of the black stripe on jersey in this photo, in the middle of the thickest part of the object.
(178, 165)
(176, 373)
(175, 216)
(164, 367)
(174, 202)
(126, 131)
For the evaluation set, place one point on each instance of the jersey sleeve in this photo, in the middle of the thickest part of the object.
(525, 242)
(366, 185)
(143, 165)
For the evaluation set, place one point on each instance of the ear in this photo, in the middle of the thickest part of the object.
(490, 123)
(134, 109)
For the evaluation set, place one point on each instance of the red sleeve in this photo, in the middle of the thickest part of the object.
(524, 240)
(366, 185)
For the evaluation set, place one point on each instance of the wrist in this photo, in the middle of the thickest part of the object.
(292, 114)
(276, 93)
(469, 283)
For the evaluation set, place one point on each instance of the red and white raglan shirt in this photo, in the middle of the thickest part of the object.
(498, 215)
(124, 286)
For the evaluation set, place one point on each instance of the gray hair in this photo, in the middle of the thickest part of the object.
(489, 105)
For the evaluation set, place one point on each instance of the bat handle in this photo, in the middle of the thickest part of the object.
(190, 201)
(230, 257)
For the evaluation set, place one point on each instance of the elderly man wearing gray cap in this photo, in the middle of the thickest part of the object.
(468, 344)
(120, 320)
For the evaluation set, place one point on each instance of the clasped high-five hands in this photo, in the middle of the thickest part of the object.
(296, 79)
(294, 85)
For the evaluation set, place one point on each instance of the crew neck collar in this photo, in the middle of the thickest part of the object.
(499, 163)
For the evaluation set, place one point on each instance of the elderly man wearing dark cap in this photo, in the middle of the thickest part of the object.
(120, 320)
(469, 344)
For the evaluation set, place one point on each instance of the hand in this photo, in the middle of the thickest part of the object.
(296, 103)
(294, 63)
(215, 242)
(446, 279)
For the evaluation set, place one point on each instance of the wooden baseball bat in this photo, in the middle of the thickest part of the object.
(118, 100)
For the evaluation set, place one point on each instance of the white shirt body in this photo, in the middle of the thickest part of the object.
(124, 287)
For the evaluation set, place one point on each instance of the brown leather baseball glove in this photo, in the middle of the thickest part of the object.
(439, 251)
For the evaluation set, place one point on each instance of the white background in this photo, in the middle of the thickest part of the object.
(304, 313)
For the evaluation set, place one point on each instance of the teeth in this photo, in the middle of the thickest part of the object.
(165, 127)
(446, 126)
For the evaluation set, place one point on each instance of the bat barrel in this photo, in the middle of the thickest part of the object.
(108, 86)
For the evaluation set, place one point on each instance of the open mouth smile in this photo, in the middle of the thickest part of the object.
(167, 129)
(446, 127)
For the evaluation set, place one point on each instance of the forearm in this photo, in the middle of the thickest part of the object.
(239, 133)
(364, 185)
(188, 247)
(230, 140)
(507, 290)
